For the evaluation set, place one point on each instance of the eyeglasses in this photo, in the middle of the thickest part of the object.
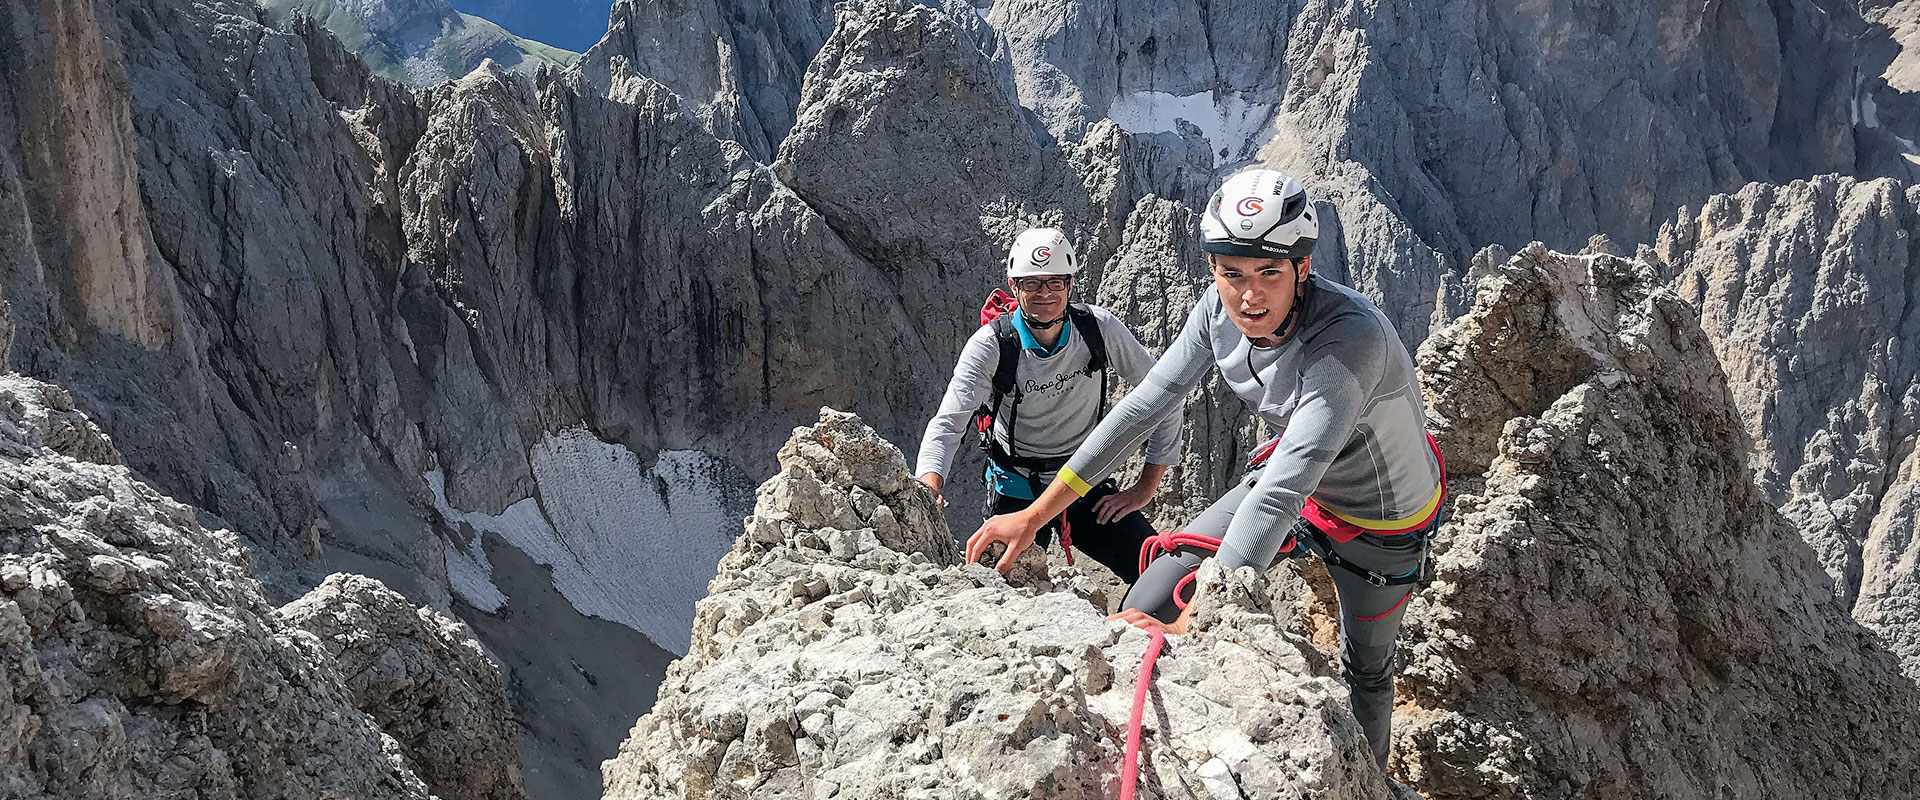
(1031, 285)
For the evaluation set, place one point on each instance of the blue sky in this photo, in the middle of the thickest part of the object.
(568, 24)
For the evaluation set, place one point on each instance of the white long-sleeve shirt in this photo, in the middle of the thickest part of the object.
(1061, 403)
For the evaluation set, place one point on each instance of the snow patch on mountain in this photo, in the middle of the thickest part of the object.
(626, 543)
(1235, 129)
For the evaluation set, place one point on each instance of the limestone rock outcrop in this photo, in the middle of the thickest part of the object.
(1617, 610)
(140, 657)
(1437, 129)
(1902, 20)
(897, 79)
(423, 679)
(737, 64)
(1808, 293)
(843, 653)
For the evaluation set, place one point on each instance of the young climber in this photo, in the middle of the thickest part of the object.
(1353, 477)
(1039, 374)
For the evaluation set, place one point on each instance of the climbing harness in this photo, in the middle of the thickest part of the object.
(1308, 538)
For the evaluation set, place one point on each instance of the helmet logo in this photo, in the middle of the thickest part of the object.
(1041, 256)
(1248, 206)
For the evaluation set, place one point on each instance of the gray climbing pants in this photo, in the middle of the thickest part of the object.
(1369, 615)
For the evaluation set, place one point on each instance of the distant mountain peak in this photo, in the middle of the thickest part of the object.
(421, 42)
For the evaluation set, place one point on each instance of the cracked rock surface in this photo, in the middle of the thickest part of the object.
(140, 656)
(1618, 611)
(841, 652)
(425, 681)
(1809, 295)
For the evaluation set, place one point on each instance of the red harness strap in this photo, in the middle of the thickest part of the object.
(1341, 530)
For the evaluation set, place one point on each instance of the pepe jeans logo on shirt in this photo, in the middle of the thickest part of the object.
(1052, 387)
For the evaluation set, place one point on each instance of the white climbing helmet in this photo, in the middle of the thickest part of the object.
(1259, 213)
(1041, 251)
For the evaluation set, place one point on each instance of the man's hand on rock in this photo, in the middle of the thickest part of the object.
(1121, 503)
(934, 482)
(1012, 530)
(1146, 622)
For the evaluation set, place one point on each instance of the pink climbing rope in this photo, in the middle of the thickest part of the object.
(1167, 542)
(1130, 768)
(1164, 542)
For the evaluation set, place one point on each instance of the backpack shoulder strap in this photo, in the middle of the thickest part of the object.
(1006, 381)
(1006, 371)
(1088, 326)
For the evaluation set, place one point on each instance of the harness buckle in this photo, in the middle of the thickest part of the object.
(1378, 580)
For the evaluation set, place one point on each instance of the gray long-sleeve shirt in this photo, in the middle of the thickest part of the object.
(1342, 388)
(1061, 403)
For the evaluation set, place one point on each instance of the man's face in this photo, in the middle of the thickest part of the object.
(1043, 298)
(1257, 292)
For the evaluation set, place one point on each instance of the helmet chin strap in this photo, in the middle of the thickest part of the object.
(1031, 323)
(1286, 323)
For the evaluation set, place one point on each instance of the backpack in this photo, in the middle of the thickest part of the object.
(997, 311)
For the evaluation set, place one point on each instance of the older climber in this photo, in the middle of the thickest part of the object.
(1035, 381)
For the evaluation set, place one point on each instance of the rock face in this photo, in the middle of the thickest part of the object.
(1438, 129)
(1618, 612)
(141, 658)
(898, 78)
(423, 679)
(738, 64)
(842, 653)
(1808, 295)
(421, 42)
(206, 343)
(293, 291)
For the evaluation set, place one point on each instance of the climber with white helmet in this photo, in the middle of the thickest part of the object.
(1353, 476)
(1033, 381)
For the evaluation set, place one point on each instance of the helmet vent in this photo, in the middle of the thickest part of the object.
(1293, 207)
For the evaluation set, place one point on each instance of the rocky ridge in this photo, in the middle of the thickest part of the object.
(843, 652)
(1617, 610)
(738, 65)
(425, 681)
(1808, 294)
(143, 660)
